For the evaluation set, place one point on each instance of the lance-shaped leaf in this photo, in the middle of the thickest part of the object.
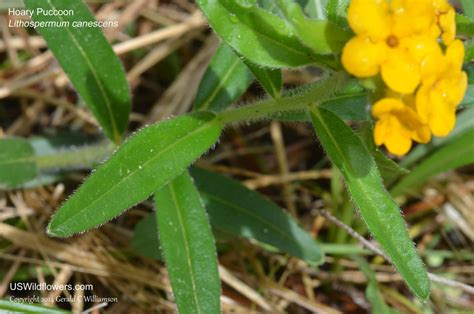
(88, 60)
(225, 80)
(237, 210)
(188, 246)
(270, 79)
(375, 204)
(458, 153)
(142, 165)
(256, 34)
(17, 162)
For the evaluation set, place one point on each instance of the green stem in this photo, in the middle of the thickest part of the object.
(320, 92)
(324, 89)
(84, 157)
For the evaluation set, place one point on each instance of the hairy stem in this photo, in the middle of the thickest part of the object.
(89, 156)
(320, 92)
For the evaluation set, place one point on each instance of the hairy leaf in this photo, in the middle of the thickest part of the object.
(188, 246)
(256, 34)
(142, 165)
(89, 62)
(376, 206)
(237, 210)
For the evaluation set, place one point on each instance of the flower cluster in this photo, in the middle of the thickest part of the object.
(412, 46)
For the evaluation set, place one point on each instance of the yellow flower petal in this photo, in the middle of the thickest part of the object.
(452, 88)
(412, 17)
(447, 23)
(421, 46)
(419, 131)
(432, 66)
(400, 72)
(369, 17)
(423, 103)
(361, 57)
(398, 143)
(397, 125)
(442, 119)
(386, 106)
(381, 131)
(455, 54)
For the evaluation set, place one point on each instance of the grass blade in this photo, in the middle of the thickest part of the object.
(237, 210)
(379, 211)
(89, 62)
(188, 246)
(142, 165)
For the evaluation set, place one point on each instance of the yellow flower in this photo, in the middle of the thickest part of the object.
(442, 90)
(397, 126)
(392, 38)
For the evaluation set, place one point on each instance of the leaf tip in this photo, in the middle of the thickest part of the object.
(56, 231)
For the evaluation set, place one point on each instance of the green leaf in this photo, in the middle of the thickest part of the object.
(337, 11)
(376, 206)
(16, 307)
(225, 80)
(142, 165)
(322, 37)
(256, 34)
(464, 25)
(270, 79)
(457, 153)
(17, 163)
(351, 107)
(188, 246)
(468, 8)
(237, 210)
(89, 62)
(145, 238)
